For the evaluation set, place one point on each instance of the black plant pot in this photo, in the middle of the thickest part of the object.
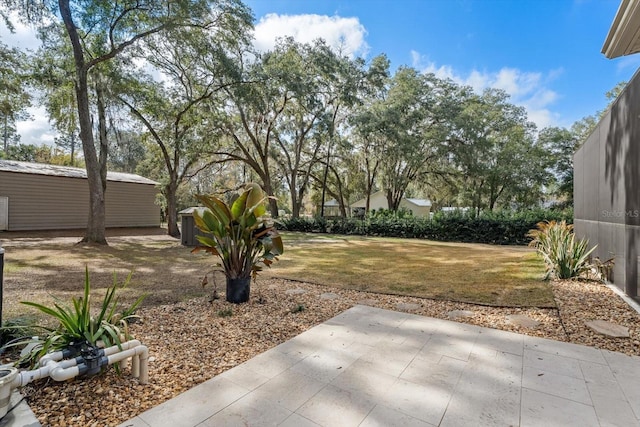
(238, 290)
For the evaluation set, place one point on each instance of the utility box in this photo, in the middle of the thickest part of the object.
(189, 230)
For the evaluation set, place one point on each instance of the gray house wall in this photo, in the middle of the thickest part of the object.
(49, 202)
(607, 188)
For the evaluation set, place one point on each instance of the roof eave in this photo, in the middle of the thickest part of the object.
(624, 35)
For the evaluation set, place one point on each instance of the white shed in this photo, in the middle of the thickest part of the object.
(378, 200)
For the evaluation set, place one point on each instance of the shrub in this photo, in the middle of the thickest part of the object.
(501, 228)
(564, 256)
(77, 325)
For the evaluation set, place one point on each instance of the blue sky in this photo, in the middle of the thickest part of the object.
(544, 53)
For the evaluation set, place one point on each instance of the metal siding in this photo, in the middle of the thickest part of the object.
(131, 205)
(44, 202)
(41, 202)
(607, 179)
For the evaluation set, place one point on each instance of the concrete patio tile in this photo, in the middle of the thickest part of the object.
(609, 400)
(290, 389)
(544, 410)
(565, 349)
(333, 406)
(325, 365)
(556, 384)
(296, 420)
(611, 404)
(360, 377)
(501, 341)
(390, 359)
(195, 405)
(296, 347)
(133, 422)
(416, 332)
(596, 373)
(620, 362)
(373, 367)
(249, 411)
(328, 336)
(272, 362)
(453, 341)
(382, 416)
(426, 402)
(488, 393)
(552, 363)
(364, 315)
(626, 372)
(244, 377)
(444, 374)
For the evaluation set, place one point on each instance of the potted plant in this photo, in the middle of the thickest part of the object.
(240, 235)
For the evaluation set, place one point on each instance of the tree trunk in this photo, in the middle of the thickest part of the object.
(102, 135)
(172, 208)
(6, 134)
(273, 203)
(295, 203)
(324, 179)
(95, 232)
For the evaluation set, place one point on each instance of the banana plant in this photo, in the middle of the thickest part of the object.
(240, 235)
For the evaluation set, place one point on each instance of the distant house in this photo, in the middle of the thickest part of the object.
(454, 209)
(378, 200)
(332, 208)
(36, 196)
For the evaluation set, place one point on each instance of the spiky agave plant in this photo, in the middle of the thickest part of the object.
(565, 257)
(77, 322)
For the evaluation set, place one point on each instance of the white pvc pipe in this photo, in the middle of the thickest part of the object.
(139, 361)
(50, 364)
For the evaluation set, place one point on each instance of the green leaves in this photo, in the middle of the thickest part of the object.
(239, 235)
(77, 324)
(564, 256)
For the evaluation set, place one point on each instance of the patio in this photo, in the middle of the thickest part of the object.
(374, 367)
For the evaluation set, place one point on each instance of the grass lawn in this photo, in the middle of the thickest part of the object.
(486, 274)
(42, 269)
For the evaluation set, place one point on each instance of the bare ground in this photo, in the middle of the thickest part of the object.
(191, 339)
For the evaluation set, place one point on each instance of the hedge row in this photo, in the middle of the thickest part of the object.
(504, 228)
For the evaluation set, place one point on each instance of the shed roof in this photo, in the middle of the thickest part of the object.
(419, 202)
(67, 171)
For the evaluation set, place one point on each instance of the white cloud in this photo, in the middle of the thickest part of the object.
(23, 37)
(527, 89)
(340, 33)
(37, 131)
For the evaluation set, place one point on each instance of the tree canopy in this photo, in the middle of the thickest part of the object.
(175, 89)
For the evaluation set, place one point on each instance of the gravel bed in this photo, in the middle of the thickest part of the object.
(192, 341)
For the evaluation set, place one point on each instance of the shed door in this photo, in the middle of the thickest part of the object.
(4, 213)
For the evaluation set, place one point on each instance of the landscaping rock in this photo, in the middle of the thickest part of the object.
(193, 345)
(459, 314)
(522, 320)
(329, 295)
(295, 291)
(407, 306)
(608, 329)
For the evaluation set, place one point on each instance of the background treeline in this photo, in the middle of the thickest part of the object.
(179, 94)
